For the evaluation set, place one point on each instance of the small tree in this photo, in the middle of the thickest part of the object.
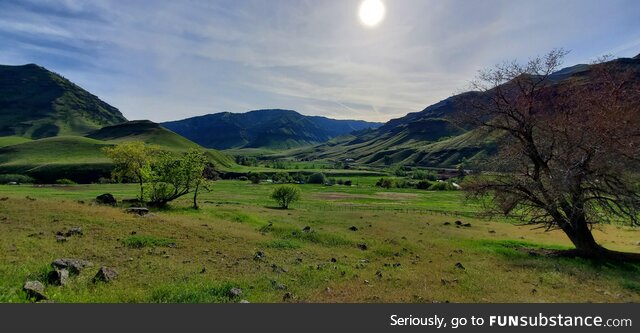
(175, 176)
(285, 195)
(132, 161)
(317, 178)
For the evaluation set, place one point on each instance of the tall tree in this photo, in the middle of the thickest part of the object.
(568, 157)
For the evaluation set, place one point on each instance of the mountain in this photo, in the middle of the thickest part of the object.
(430, 137)
(37, 103)
(275, 129)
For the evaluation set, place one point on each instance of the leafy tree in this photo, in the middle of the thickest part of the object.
(254, 177)
(285, 195)
(174, 176)
(568, 158)
(132, 160)
(317, 178)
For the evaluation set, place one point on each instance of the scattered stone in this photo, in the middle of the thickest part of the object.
(364, 261)
(492, 231)
(105, 274)
(235, 292)
(106, 199)
(244, 301)
(287, 296)
(278, 269)
(61, 239)
(379, 274)
(534, 291)
(396, 265)
(58, 277)
(138, 210)
(447, 223)
(366, 281)
(307, 229)
(334, 260)
(458, 222)
(327, 290)
(34, 290)
(258, 256)
(4, 199)
(362, 246)
(74, 266)
(467, 225)
(72, 232)
(30, 198)
(278, 286)
(460, 266)
(353, 228)
(203, 270)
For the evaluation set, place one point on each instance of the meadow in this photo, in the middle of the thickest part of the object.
(338, 244)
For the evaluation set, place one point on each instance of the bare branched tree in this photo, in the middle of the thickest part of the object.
(569, 152)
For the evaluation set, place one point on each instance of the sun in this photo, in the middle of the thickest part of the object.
(371, 12)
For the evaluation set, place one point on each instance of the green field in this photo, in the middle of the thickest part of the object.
(179, 255)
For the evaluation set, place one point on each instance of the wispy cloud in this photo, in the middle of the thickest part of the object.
(165, 60)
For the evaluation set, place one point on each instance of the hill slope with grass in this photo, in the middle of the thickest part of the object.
(433, 137)
(272, 129)
(37, 103)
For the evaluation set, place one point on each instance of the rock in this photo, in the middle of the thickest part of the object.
(138, 210)
(259, 255)
(379, 274)
(74, 266)
(34, 290)
(278, 269)
(467, 225)
(278, 286)
(460, 266)
(492, 231)
(458, 222)
(106, 199)
(244, 301)
(105, 274)
(447, 223)
(287, 296)
(362, 246)
(334, 260)
(353, 228)
(58, 277)
(307, 229)
(235, 292)
(75, 231)
(4, 198)
(61, 239)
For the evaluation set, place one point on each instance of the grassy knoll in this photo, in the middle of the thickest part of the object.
(181, 255)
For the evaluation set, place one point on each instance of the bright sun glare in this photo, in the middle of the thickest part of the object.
(371, 12)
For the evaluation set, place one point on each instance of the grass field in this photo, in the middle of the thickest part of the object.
(180, 255)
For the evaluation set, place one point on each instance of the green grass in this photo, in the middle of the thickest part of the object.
(181, 255)
(12, 140)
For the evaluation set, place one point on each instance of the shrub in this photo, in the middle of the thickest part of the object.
(243, 178)
(348, 183)
(423, 185)
(385, 183)
(317, 178)
(281, 177)
(441, 186)
(255, 178)
(424, 175)
(15, 178)
(65, 181)
(285, 195)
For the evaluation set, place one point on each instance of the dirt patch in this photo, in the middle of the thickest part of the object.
(394, 195)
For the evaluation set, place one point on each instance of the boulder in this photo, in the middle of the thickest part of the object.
(138, 210)
(34, 290)
(58, 277)
(363, 247)
(353, 228)
(460, 266)
(105, 274)
(74, 231)
(235, 292)
(106, 199)
(74, 266)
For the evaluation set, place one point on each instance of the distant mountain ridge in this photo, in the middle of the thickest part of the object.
(273, 128)
(37, 103)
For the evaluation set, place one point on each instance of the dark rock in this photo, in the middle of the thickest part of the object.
(58, 277)
(106, 199)
(467, 225)
(34, 290)
(447, 223)
(379, 274)
(278, 269)
(460, 266)
(235, 292)
(138, 210)
(4, 199)
(362, 246)
(334, 260)
(105, 274)
(492, 231)
(74, 266)
(287, 297)
(61, 239)
(458, 222)
(259, 255)
(73, 231)
(353, 228)
(307, 229)
(203, 270)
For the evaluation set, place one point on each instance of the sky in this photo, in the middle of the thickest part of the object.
(167, 60)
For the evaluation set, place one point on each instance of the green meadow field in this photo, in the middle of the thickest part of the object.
(401, 250)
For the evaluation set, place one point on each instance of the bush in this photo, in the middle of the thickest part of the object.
(317, 178)
(385, 183)
(255, 178)
(441, 186)
(285, 195)
(348, 183)
(423, 185)
(424, 175)
(281, 177)
(65, 181)
(14, 178)
(243, 178)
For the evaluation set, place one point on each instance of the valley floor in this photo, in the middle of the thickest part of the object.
(402, 251)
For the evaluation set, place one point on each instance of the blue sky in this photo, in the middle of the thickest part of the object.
(167, 60)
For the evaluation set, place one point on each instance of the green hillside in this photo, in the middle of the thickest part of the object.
(37, 103)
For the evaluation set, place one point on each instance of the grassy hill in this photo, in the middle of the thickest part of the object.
(81, 158)
(265, 129)
(37, 103)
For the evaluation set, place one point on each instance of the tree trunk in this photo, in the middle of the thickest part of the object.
(195, 198)
(587, 247)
